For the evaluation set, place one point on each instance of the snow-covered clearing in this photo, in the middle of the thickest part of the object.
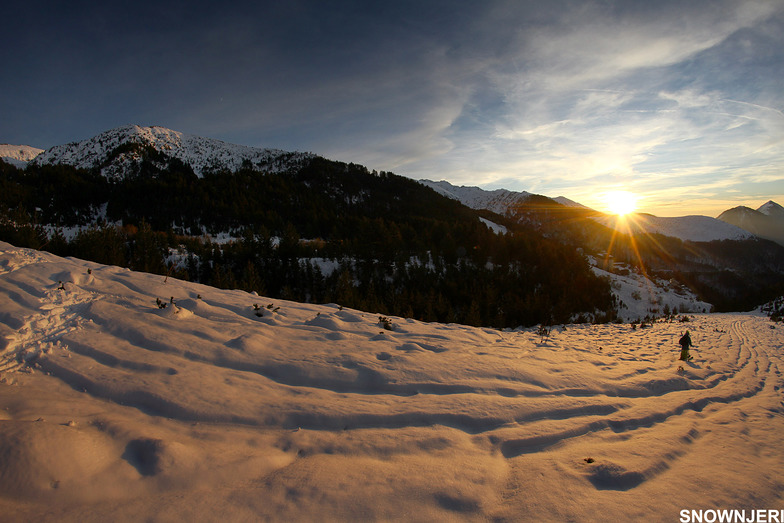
(205, 411)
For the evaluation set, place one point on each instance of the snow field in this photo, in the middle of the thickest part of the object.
(111, 407)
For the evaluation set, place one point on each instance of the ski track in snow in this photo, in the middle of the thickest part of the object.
(330, 382)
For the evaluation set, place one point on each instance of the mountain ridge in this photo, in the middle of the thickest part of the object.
(105, 151)
(137, 188)
(18, 155)
(500, 201)
(766, 222)
(119, 151)
(691, 228)
(771, 208)
(696, 228)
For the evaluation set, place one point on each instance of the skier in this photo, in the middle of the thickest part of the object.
(685, 342)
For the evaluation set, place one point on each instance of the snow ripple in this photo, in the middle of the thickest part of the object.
(601, 408)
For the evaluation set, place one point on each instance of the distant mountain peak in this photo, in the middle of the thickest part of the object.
(771, 208)
(691, 228)
(201, 154)
(18, 154)
(504, 202)
(563, 200)
(766, 222)
(740, 210)
(499, 201)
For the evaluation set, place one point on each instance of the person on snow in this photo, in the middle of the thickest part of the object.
(685, 342)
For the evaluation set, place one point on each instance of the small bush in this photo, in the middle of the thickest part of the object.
(386, 323)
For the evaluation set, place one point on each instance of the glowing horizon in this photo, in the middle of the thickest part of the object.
(651, 96)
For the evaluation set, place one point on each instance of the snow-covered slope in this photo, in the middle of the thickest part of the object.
(691, 228)
(498, 201)
(18, 155)
(198, 152)
(112, 409)
(639, 296)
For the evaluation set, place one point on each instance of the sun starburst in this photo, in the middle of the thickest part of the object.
(621, 203)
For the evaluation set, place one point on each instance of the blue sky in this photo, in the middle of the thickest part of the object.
(678, 102)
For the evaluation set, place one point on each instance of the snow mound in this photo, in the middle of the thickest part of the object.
(40, 458)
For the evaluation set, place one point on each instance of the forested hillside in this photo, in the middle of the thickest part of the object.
(323, 232)
(733, 275)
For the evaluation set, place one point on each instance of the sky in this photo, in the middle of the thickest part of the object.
(679, 103)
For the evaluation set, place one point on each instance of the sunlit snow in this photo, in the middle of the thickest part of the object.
(227, 406)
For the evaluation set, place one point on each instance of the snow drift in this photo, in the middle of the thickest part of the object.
(224, 405)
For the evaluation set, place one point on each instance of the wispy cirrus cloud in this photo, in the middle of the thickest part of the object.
(680, 101)
(597, 98)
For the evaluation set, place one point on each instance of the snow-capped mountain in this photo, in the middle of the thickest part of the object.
(125, 152)
(690, 228)
(114, 153)
(687, 228)
(563, 200)
(500, 201)
(18, 155)
(117, 151)
(772, 209)
(766, 222)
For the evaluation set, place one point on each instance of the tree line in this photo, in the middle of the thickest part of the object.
(392, 245)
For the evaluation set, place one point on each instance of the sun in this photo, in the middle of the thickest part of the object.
(621, 202)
